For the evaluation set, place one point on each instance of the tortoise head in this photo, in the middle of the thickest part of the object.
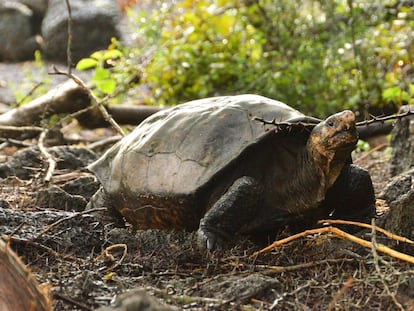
(334, 138)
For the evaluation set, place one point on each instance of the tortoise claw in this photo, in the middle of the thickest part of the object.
(209, 239)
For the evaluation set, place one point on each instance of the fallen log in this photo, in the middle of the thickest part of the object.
(67, 98)
(122, 114)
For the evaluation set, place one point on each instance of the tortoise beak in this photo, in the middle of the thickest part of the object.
(345, 134)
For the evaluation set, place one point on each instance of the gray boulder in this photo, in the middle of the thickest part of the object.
(17, 39)
(399, 194)
(38, 8)
(402, 143)
(400, 218)
(94, 23)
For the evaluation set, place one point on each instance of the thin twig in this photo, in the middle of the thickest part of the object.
(94, 99)
(70, 37)
(368, 226)
(284, 295)
(377, 267)
(339, 294)
(104, 142)
(17, 229)
(71, 301)
(395, 116)
(13, 142)
(287, 125)
(342, 234)
(371, 151)
(283, 126)
(49, 157)
(21, 128)
(281, 269)
(74, 215)
(35, 244)
(30, 93)
(110, 248)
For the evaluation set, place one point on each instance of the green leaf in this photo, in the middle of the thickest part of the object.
(98, 55)
(411, 87)
(101, 74)
(111, 54)
(106, 86)
(395, 94)
(86, 63)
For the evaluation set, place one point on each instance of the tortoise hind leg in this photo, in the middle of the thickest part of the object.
(352, 196)
(230, 213)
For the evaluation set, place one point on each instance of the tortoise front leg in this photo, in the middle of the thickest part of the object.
(231, 212)
(352, 196)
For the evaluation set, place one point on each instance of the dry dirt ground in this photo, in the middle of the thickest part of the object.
(89, 257)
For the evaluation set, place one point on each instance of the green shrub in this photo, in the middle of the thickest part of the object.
(318, 56)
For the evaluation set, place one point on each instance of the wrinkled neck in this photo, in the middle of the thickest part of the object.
(330, 163)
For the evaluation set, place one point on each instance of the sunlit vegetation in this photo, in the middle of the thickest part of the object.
(318, 56)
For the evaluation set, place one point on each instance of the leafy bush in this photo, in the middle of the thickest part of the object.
(35, 83)
(203, 49)
(318, 56)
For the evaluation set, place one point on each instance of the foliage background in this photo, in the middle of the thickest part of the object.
(319, 56)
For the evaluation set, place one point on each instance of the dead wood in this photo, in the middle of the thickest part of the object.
(19, 290)
(64, 98)
(94, 102)
(67, 98)
(339, 233)
(127, 115)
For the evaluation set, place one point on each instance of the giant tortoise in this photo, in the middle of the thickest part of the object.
(208, 164)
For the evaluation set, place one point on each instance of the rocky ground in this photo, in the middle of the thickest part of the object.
(88, 257)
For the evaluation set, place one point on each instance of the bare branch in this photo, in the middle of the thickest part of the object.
(289, 125)
(94, 99)
(339, 233)
(50, 158)
(377, 267)
(395, 116)
(70, 37)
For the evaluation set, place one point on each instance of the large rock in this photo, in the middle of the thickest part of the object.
(38, 8)
(399, 195)
(94, 23)
(400, 219)
(17, 39)
(399, 192)
(25, 161)
(402, 143)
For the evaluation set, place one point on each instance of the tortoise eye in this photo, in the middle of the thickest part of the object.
(331, 123)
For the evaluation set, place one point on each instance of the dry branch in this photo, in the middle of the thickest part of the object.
(49, 157)
(123, 114)
(368, 226)
(378, 269)
(342, 234)
(67, 98)
(94, 100)
(339, 294)
(368, 128)
(58, 222)
(106, 253)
